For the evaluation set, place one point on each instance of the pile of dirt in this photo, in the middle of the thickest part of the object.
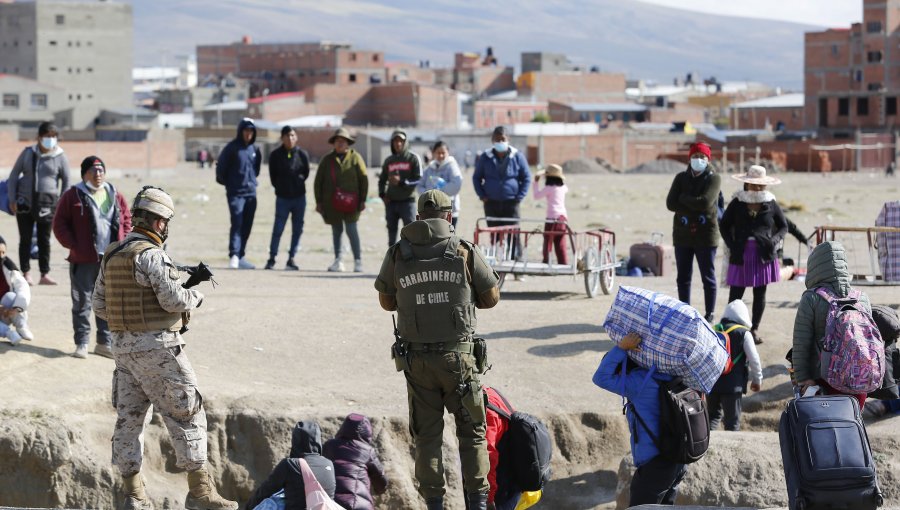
(589, 166)
(658, 166)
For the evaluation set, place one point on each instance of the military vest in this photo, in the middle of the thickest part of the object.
(434, 298)
(129, 306)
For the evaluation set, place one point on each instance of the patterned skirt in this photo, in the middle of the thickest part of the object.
(754, 272)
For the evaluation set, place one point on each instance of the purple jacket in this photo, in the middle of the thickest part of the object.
(357, 470)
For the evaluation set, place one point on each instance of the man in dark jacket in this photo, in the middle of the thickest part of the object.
(400, 174)
(502, 178)
(695, 234)
(288, 169)
(90, 215)
(306, 444)
(357, 470)
(237, 168)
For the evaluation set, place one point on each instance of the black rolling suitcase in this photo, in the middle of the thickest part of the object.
(827, 460)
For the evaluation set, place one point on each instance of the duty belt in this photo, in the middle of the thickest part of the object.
(465, 347)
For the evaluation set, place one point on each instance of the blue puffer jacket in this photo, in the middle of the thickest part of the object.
(641, 388)
(513, 184)
(238, 164)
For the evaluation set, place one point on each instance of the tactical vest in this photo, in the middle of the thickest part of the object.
(434, 298)
(735, 381)
(129, 306)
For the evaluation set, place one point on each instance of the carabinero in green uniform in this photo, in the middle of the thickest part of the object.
(435, 281)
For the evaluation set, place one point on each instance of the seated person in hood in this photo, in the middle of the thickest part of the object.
(358, 471)
(306, 443)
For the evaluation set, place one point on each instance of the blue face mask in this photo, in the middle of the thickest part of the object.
(48, 142)
(501, 146)
(699, 165)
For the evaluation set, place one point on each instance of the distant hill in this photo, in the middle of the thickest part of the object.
(618, 35)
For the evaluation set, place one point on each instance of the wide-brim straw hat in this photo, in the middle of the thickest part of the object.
(553, 171)
(342, 133)
(756, 174)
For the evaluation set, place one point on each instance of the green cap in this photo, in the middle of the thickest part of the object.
(434, 200)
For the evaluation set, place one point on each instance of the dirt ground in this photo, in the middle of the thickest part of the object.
(312, 343)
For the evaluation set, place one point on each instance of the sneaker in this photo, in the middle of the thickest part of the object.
(103, 350)
(874, 409)
(25, 333)
(243, 264)
(270, 264)
(357, 266)
(234, 262)
(28, 278)
(291, 266)
(13, 337)
(46, 280)
(336, 267)
(80, 351)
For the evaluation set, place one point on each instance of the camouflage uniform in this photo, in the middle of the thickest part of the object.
(151, 368)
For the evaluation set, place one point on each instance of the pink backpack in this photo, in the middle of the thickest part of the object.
(851, 353)
(316, 497)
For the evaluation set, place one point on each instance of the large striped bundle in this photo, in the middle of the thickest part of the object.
(675, 338)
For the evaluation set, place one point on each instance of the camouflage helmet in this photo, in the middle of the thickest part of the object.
(154, 200)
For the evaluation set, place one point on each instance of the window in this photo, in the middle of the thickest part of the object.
(874, 56)
(890, 105)
(353, 57)
(843, 106)
(873, 27)
(10, 101)
(862, 106)
(874, 87)
(52, 43)
(60, 19)
(375, 58)
(38, 101)
(858, 75)
(89, 69)
(53, 69)
(352, 77)
(834, 50)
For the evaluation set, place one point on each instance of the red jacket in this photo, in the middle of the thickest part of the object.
(496, 427)
(74, 228)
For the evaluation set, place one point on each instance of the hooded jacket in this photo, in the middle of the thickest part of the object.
(502, 179)
(693, 200)
(448, 170)
(238, 164)
(826, 267)
(407, 165)
(748, 368)
(289, 170)
(52, 176)
(306, 443)
(14, 281)
(75, 228)
(358, 472)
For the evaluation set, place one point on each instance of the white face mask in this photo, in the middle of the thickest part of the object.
(698, 165)
(48, 142)
(90, 186)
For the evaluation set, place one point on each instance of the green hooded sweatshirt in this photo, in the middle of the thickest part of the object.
(826, 267)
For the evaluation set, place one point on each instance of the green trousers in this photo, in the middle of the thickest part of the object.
(438, 380)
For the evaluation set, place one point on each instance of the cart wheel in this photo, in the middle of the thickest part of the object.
(591, 275)
(607, 277)
(502, 280)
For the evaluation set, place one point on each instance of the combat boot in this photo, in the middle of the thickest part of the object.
(135, 497)
(202, 493)
(476, 501)
(434, 503)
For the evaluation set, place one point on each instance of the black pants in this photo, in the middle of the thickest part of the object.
(759, 302)
(728, 404)
(656, 482)
(26, 224)
(505, 209)
(395, 212)
(706, 261)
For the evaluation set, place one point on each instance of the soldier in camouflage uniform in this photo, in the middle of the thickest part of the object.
(435, 280)
(140, 295)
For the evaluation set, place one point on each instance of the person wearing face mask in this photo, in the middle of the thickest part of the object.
(502, 179)
(39, 176)
(695, 233)
(443, 174)
(91, 215)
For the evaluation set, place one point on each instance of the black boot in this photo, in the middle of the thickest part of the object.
(434, 503)
(476, 501)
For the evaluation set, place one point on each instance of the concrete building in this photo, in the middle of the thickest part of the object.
(401, 71)
(599, 113)
(778, 113)
(472, 75)
(572, 87)
(291, 67)
(28, 103)
(545, 62)
(82, 47)
(852, 75)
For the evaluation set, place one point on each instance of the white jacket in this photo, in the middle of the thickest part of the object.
(17, 284)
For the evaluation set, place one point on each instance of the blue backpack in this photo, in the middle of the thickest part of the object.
(4, 197)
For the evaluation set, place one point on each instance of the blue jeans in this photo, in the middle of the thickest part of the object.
(242, 210)
(398, 211)
(337, 230)
(706, 260)
(284, 207)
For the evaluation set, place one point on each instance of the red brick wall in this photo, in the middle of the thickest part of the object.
(755, 118)
(156, 154)
(607, 145)
(573, 87)
(489, 114)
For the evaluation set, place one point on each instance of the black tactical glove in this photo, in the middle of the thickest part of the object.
(198, 274)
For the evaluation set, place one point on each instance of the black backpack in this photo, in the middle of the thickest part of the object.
(526, 446)
(683, 423)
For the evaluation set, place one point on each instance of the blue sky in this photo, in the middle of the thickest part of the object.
(826, 13)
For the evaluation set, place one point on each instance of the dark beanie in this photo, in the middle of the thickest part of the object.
(286, 130)
(499, 131)
(90, 162)
(888, 323)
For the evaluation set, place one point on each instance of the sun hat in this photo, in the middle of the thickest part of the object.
(553, 171)
(756, 174)
(342, 133)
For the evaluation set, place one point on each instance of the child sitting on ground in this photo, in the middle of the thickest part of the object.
(726, 396)
(555, 229)
(16, 295)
